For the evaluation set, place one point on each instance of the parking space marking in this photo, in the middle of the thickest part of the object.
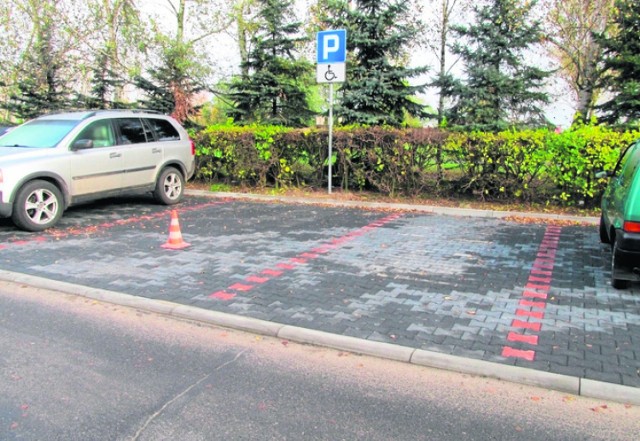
(538, 288)
(92, 229)
(303, 258)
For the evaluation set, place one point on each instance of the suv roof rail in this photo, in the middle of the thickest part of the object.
(94, 112)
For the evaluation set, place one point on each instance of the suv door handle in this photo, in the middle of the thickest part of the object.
(115, 155)
(156, 150)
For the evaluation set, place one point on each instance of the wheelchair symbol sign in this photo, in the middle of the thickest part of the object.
(331, 73)
(331, 56)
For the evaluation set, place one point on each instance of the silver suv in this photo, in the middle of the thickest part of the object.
(56, 161)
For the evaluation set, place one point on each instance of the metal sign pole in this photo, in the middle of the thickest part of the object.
(331, 50)
(330, 132)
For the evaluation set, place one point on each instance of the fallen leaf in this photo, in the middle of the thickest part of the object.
(568, 398)
(284, 343)
(536, 398)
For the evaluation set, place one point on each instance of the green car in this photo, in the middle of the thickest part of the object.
(620, 219)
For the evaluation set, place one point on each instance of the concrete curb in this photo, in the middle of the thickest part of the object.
(451, 211)
(563, 383)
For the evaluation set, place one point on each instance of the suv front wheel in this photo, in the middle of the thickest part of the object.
(169, 186)
(38, 206)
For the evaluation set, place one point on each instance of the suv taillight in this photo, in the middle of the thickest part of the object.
(631, 227)
(193, 147)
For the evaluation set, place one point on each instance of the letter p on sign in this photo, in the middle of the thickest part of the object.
(332, 46)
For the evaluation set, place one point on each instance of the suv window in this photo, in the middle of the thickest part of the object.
(130, 131)
(38, 133)
(100, 132)
(631, 163)
(164, 129)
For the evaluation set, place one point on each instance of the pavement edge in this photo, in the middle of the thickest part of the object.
(433, 209)
(564, 383)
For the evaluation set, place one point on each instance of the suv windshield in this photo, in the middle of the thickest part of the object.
(38, 133)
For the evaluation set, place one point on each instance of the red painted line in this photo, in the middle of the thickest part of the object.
(222, 295)
(521, 338)
(300, 259)
(256, 279)
(534, 295)
(540, 279)
(285, 266)
(534, 314)
(55, 234)
(241, 287)
(541, 272)
(270, 272)
(517, 353)
(544, 263)
(535, 286)
(531, 304)
(526, 325)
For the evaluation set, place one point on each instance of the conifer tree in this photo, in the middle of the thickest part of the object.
(622, 65)
(273, 88)
(379, 37)
(499, 89)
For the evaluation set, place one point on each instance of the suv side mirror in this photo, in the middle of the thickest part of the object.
(82, 144)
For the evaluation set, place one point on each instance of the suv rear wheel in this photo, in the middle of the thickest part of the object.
(38, 206)
(169, 186)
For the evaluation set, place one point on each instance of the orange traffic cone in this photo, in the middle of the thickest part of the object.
(175, 241)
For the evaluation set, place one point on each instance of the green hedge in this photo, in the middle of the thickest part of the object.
(528, 165)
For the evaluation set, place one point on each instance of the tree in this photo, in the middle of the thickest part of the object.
(379, 35)
(274, 83)
(116, 49)
(246, 27)
(622, 65)
(499, 89)
(437, 39)
(171, 85)
(572, 29)
(41, 76)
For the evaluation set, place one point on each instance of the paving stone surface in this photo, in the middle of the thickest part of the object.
(530, 295)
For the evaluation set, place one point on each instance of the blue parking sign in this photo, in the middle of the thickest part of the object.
(332, 46)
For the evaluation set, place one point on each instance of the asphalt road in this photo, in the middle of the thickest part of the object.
(77, 369)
